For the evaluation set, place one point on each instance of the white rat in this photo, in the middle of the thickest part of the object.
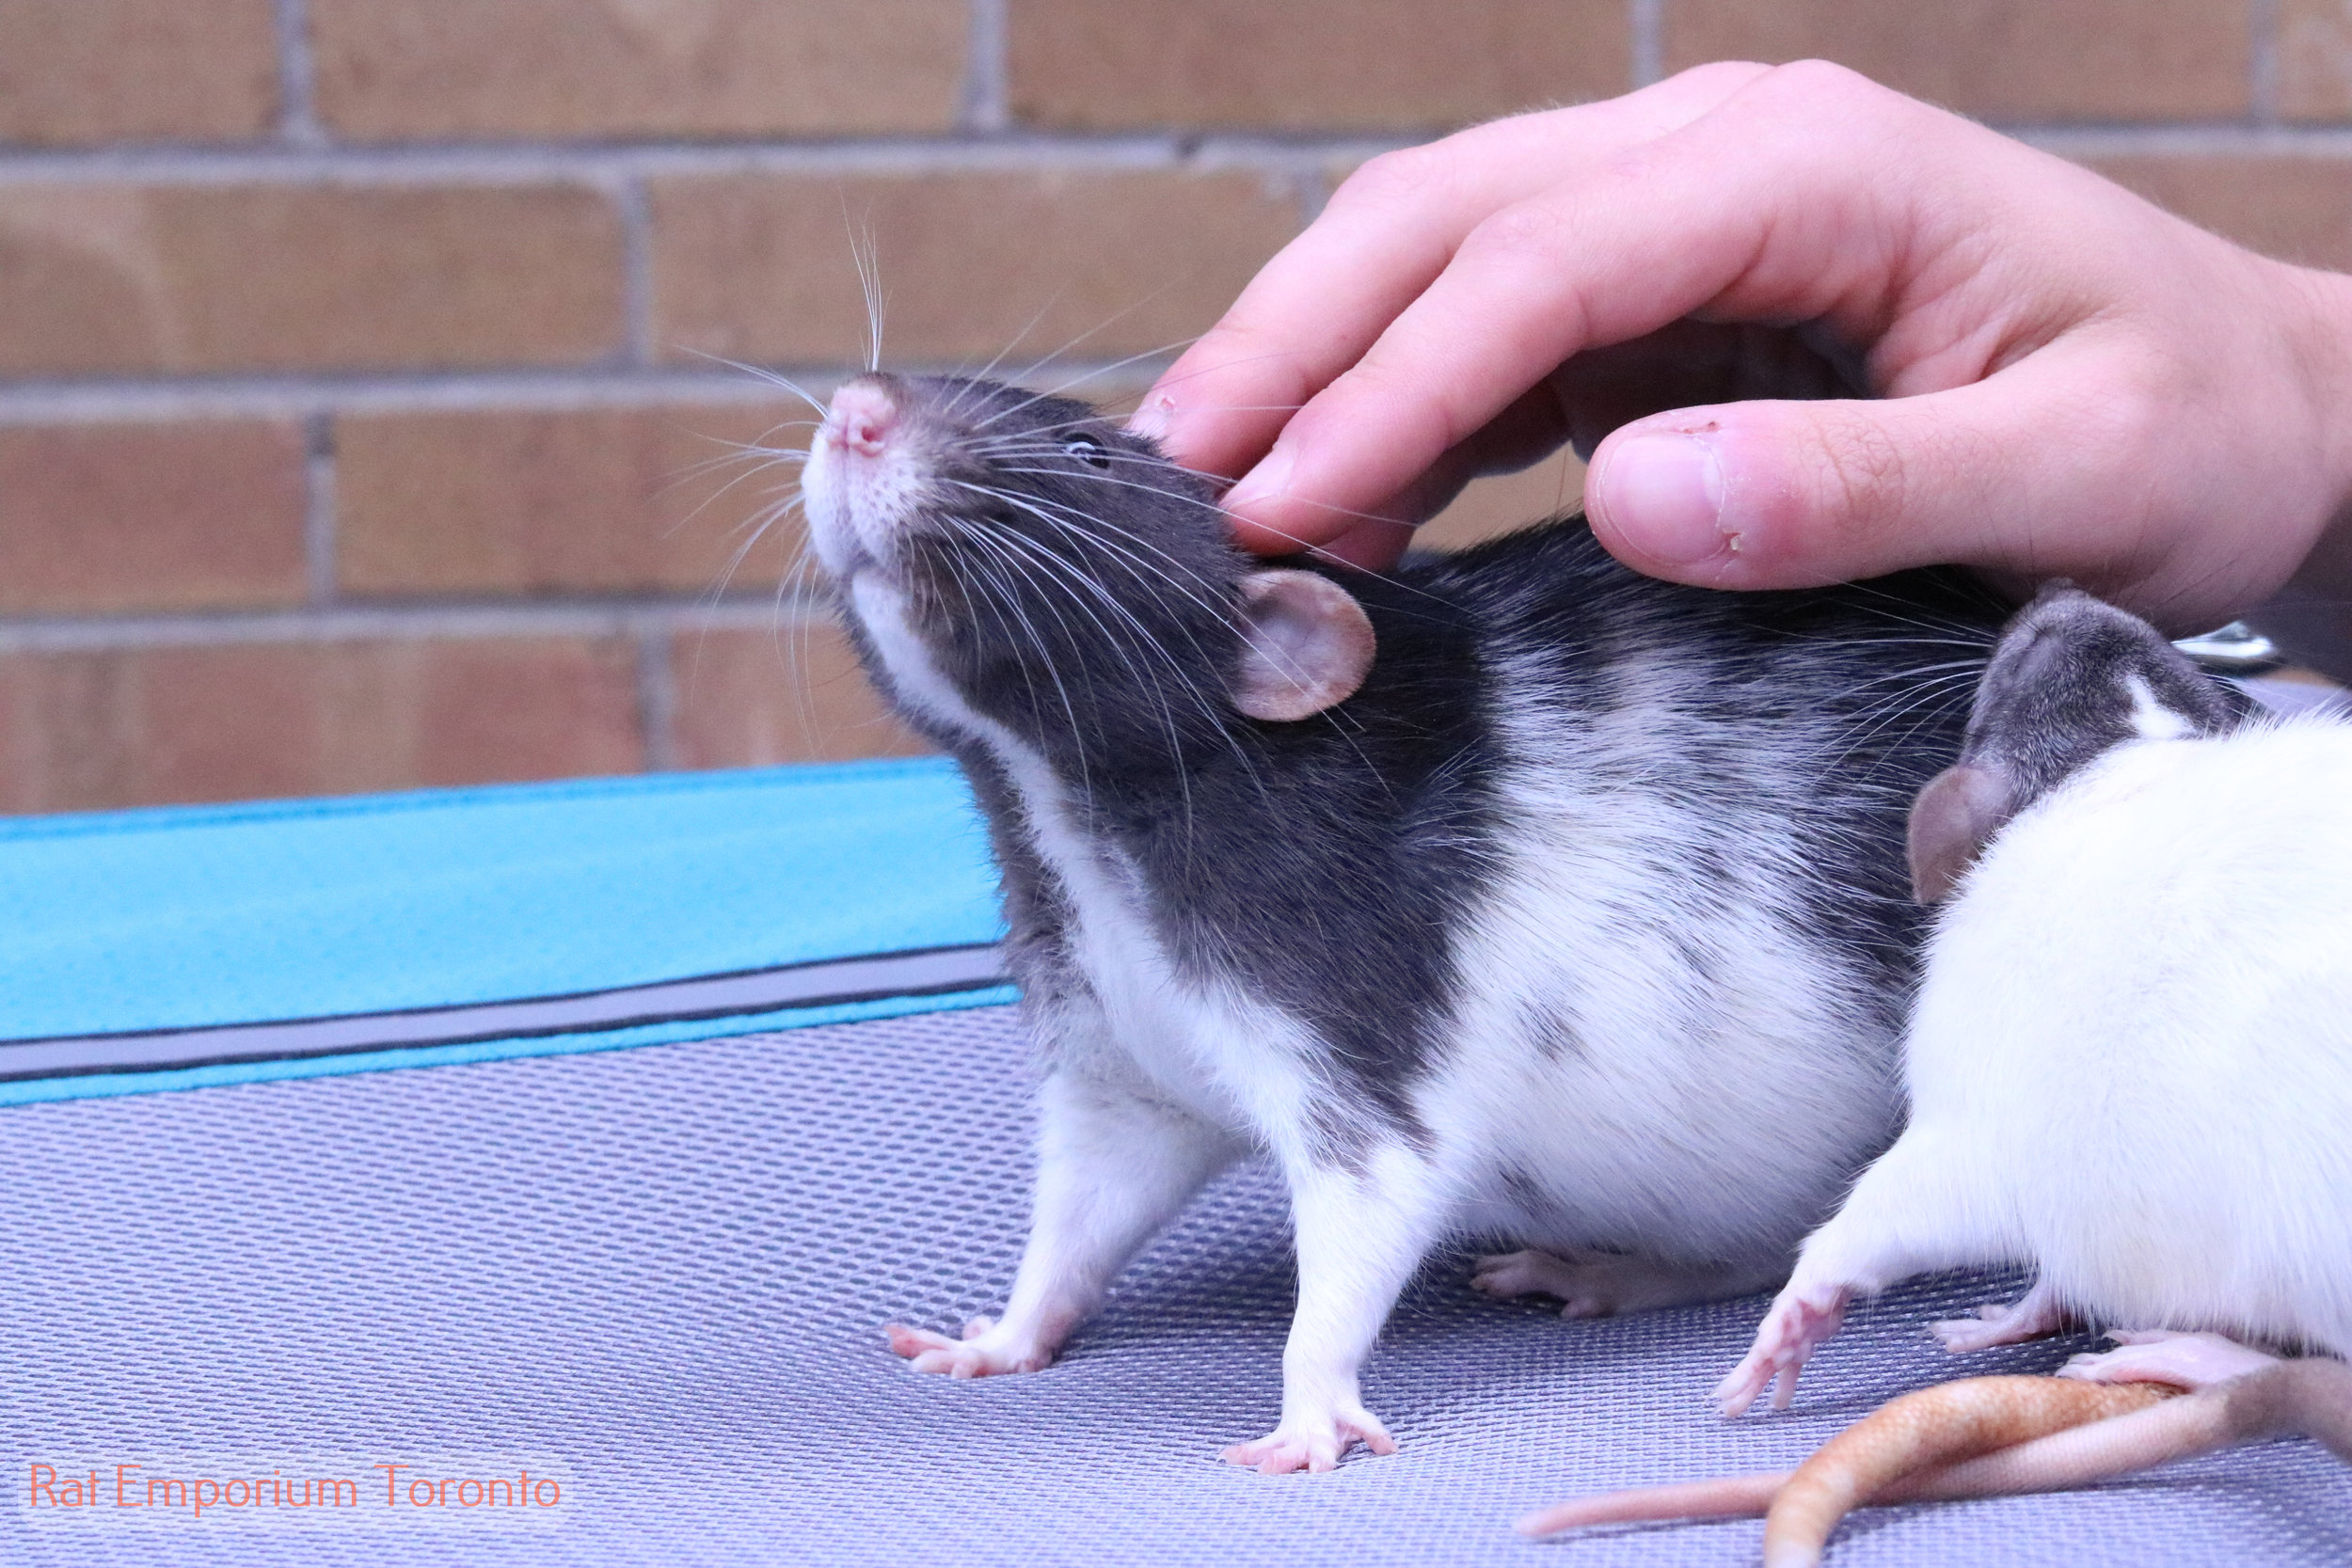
(2130, 1064)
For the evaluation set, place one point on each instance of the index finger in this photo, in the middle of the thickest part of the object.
(1387, 234)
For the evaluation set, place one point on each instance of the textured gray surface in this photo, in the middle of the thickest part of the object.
(665, 1268)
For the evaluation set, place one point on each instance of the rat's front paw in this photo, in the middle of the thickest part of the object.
(985, 1350)
(1312, 1443)
(1799, 1321)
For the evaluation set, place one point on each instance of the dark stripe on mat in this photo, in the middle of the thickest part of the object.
(873, 977)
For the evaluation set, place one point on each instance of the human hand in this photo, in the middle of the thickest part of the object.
(2067, 380)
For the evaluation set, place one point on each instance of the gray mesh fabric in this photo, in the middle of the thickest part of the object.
(666, 1268)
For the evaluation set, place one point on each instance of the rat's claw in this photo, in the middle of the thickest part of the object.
(2190, 1361)
(1313, 1444)
(1799, 1321)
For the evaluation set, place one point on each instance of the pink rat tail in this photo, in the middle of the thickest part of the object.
(1931, 1429)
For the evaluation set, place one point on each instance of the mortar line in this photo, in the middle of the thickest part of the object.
(627, 617)
(656, 695)
(1014, 151)
(590, 162)
(297, 396)
(604, 166)
(986, 108)
(318, 507)
(2222, 140)
(297, 76)
(634, 204)
(1647, 21)
(2262, 61)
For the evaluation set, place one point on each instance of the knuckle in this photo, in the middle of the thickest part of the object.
(1728, 72)
(1393, 179)
(1824, 83)
(1522, 229)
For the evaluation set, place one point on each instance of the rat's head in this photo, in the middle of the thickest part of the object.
(2071, 679)
(1013, 563)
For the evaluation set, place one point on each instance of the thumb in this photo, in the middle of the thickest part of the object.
(1796, 495)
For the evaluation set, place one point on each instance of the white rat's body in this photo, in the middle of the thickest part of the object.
(2131, 1062)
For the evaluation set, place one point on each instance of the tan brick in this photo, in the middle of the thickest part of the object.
(629, 68)
(1337, 65)
(1506, 501)
(199, 515)
(792, 694)
(761, 267)
(2299, 209)
(75, 71)
(126, 279)
(2315, 59)
(141, 726)
(597, 500)
(2005, 59)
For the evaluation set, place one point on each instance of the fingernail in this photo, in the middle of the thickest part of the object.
(1665, 494)
(1151, 421)
(1264, 483)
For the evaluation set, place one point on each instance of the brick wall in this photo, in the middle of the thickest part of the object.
(357, 394)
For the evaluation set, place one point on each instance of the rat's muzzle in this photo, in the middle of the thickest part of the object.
(860, 482)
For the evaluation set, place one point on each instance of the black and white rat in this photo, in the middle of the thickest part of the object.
(2131, 1060)
(1510, 894)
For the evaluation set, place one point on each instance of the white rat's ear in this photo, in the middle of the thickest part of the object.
(1306, 645)
(1953, 818)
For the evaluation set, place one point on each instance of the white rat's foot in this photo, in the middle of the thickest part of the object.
(2190, 1361)
(1601, 1284)
(2029, 1317)
(1798, 1321)
(985, 1350)
(1314, 1442)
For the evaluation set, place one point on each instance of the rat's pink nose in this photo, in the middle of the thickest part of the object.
(861, 417)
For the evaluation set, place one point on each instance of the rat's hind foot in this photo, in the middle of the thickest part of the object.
(2029, 1317)
(1312, 1443)
(1800, 1320)
(985, 1350)
(1601, 1284)
(2190, 1361)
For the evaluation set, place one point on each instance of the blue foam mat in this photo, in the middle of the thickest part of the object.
(196, 917)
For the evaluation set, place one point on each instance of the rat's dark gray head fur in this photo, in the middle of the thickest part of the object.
(2071, 679)
(977, 513)
(1017, 563)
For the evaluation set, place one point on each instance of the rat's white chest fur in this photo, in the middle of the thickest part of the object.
(1225, 1057)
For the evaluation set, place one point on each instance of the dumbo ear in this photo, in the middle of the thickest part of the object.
(1952, 819)
(1306, 644)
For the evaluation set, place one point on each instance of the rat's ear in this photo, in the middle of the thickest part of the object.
(1954, 816)
(1306, 645)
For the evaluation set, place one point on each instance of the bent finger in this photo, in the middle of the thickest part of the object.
(1388, 232)
(1755, 211)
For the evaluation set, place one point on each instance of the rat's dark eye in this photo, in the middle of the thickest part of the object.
(1089, 453)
